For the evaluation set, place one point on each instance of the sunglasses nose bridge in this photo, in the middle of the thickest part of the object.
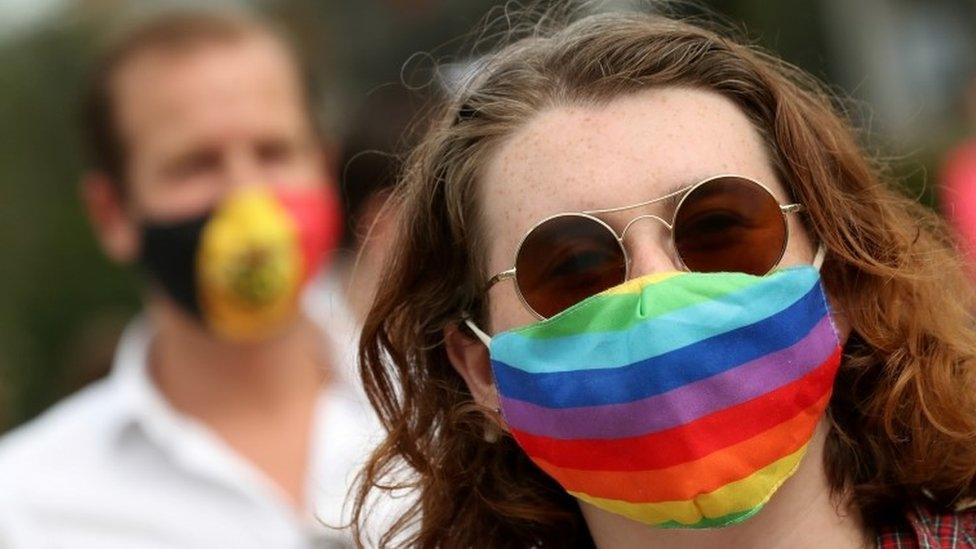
(646, 254)
(632, 222)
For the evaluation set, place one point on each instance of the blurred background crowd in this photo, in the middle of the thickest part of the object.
(908, 67)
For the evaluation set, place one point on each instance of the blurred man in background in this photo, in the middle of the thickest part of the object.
(231, 418)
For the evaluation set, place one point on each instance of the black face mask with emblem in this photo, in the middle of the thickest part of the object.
(169, 256)
(240, 268)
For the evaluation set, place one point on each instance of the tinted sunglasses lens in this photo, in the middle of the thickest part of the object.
(730, 224)
(566, 259)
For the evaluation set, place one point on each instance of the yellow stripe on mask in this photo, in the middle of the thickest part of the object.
(635, 285)
(735, 497)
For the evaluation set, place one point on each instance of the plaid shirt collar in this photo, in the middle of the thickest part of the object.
(927, 529)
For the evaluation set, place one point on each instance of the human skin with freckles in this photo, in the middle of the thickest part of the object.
(572, 158)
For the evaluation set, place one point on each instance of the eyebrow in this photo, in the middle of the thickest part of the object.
(670, 198)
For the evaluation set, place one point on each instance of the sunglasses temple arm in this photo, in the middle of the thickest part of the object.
(485, 338)
(504, 275)
(478, 332)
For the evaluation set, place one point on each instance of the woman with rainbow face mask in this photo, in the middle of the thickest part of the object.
(649, 292)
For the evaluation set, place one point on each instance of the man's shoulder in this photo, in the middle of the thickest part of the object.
(69, 434)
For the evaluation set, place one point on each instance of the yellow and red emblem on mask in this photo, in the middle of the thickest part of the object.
(242, 267)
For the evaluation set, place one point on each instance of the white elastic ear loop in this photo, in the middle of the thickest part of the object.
(818, 259)
(485, 338)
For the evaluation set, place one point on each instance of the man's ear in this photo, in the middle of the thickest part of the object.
(469, 357)
(116, 231)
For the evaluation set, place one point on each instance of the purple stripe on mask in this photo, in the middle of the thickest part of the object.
(681, 405)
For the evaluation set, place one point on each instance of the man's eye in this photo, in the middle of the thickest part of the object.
(194, 164)
(271, 152)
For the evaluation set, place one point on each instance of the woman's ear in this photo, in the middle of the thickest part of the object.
(469, 356)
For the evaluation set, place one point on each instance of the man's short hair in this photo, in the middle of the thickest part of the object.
(177, 31)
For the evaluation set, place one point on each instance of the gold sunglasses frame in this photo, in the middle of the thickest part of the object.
(785, 209)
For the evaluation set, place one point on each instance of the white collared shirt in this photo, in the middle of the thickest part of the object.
(115, 466)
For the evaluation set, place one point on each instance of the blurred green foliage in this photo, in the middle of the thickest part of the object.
(54, 280)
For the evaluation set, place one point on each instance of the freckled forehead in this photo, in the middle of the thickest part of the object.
(572, 158)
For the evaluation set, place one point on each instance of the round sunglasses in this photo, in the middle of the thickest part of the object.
(726, 223)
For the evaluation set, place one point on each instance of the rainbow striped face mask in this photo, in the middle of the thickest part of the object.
(679, 400)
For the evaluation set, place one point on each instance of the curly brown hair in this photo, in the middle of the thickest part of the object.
(903, 412)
